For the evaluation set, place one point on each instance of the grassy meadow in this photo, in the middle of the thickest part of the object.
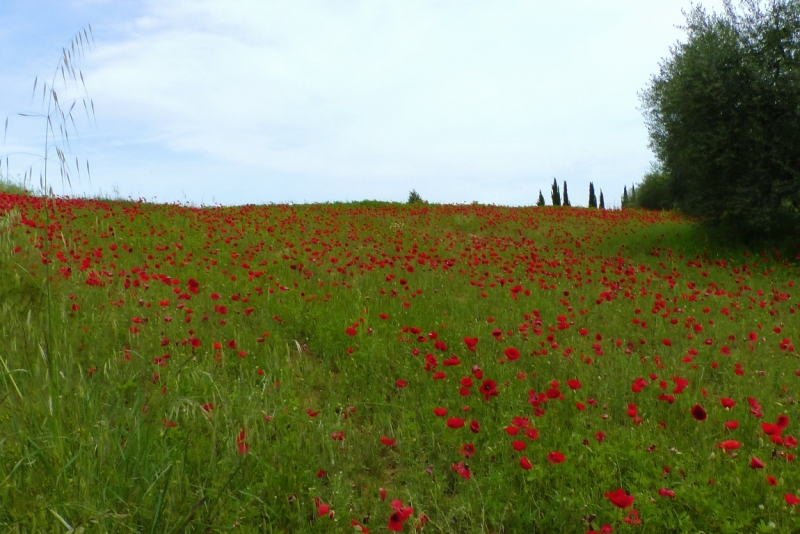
(374, 367)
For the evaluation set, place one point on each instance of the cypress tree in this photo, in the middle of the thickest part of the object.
(555, 195)
(592, 198)
(540, 202)
(566, 196)
(625, 196)
(602, 203)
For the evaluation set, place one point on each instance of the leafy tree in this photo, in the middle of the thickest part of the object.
(602, 202)
(555, 195)
(414, 198)
(566, 195)
(540, 202)
(592, 197)
(654, 193)
(723, 116)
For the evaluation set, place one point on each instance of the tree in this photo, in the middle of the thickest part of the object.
(540, 202)
(555, 195)
(625, 197)
(654, 192)
(566, 196)
(723, 116)
(602, 202)
(414, 198)
(592, 198)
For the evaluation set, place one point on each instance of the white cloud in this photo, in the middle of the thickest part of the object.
(461, 100)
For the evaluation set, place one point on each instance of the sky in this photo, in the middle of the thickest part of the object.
(260, 101)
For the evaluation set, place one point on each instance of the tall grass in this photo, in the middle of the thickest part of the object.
(166, 436)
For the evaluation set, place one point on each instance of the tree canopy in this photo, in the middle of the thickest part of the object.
(723, 115)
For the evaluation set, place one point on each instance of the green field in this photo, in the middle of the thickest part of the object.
(302, 368)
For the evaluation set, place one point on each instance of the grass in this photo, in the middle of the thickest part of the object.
(194, 407)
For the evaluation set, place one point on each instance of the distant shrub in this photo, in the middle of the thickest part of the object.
(654, 193)
(414, 198)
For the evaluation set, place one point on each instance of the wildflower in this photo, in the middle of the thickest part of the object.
(466, 450)
(729, 445)
(462, 470)
(455, 422)
(619, 498)
(699, 413)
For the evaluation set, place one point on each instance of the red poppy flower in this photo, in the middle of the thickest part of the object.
(477, 372)
(771, 480)
(600, 436)
(782, 421)
(322, 508)
(241, 443)
(619, 498)
(732, 425)
(474, 426)
(512, 430)
(401, 383)
(791, 500)
(440, 412)
(699, 413)
(574, 384)
(488, 389)
(525, 463)
(755, 463)
(471, 342)
(771, 430)
(455, 422)
(518, 445)
(462, 470)
(382, 494)
(638, 384)
(358, 527)
(350, 331)
(729, 445)
(467, 449)
(400, 516)
(453, 360)
(555, 457)
(512, 353)
(389, 442)
(632, 518)
(553, 393)
(664, 492)
(727, 403)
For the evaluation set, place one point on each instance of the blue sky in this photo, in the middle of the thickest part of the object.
(259, 101)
